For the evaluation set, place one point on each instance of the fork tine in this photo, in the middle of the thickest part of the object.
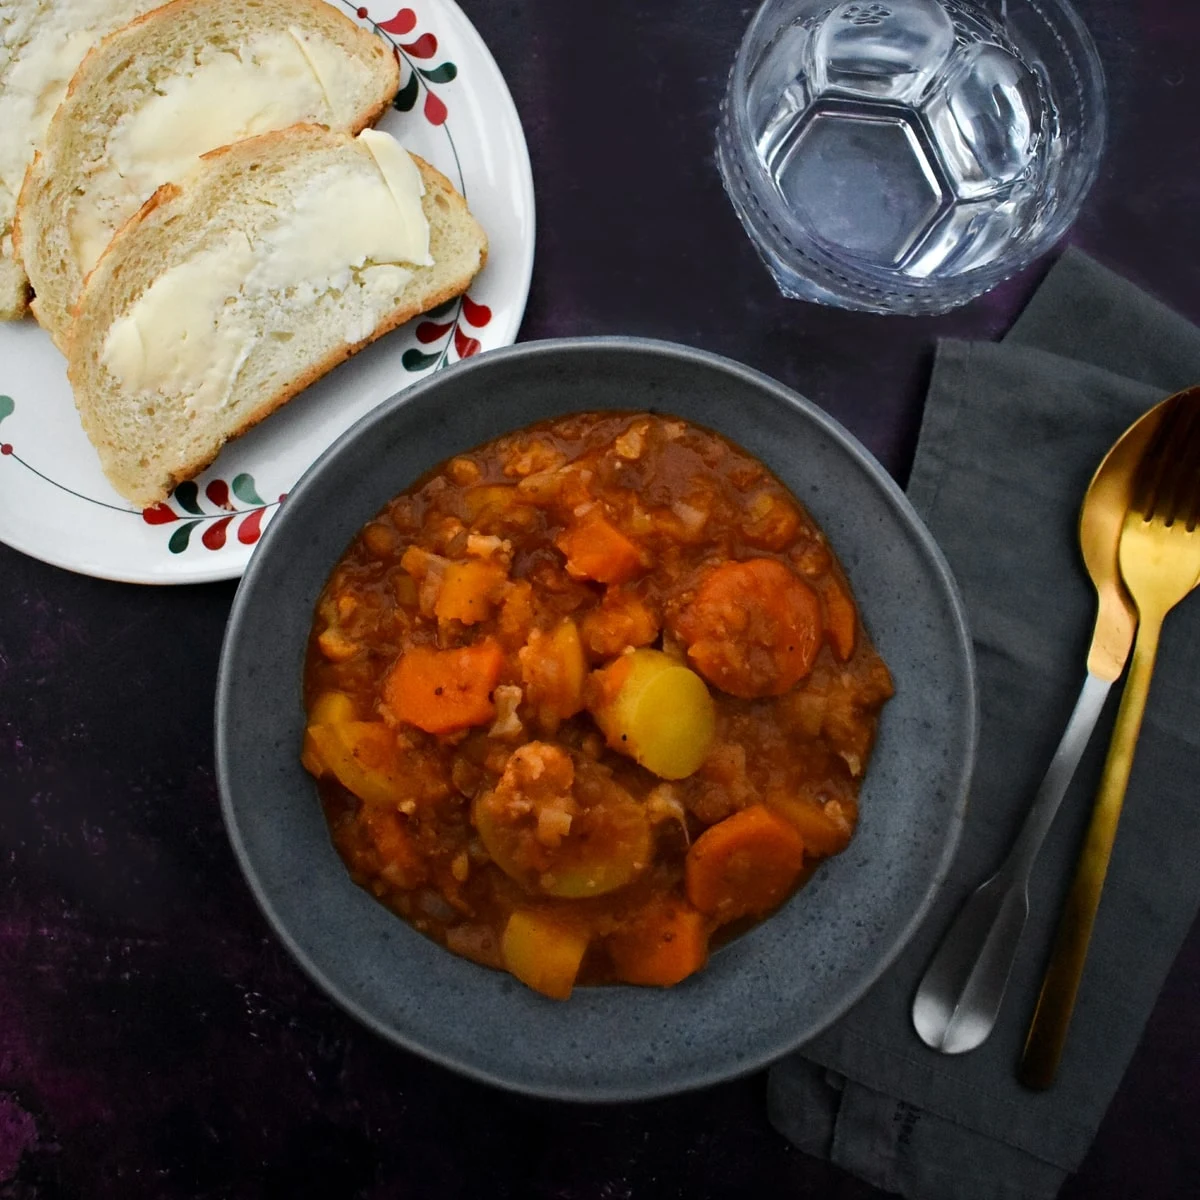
(1166, 477)
(1182, 480)
(1191, 512)
(1153, 462)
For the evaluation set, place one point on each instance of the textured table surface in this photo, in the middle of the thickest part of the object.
(155, 1041)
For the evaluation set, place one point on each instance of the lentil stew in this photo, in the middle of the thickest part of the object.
(589, 697)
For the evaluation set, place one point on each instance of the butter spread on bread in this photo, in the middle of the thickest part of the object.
(272, 83)
(227, 295)
(41, 44)
(190, 77)
(188, 334)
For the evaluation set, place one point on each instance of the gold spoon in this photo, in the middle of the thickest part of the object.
(959, 997)
(1159, 556)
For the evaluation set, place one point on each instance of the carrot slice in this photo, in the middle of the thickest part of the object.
(823, 830)
(443, 691)
(744, 865)
(841, 619)
(661, 945)
(754, 628)
(597, 549)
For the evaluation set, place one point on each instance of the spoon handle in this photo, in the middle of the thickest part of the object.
(1058, 777)
(961, 991)
(1060, 985)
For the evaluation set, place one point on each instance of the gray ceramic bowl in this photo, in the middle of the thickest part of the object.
(760, 996)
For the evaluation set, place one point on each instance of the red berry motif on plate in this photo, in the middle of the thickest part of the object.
(477, 314)
(424, 47)
(7, 405)
(431, 331)
(466, 346)
(435, 110)
(159, 514)
(462, 312)
(405, 21)
(247, 522)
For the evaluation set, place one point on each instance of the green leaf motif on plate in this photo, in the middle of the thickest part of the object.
(406, 97)
(180, 538)
(185, 496)
(414, 360)
(243, 489)
(7, 404)
(443, 73)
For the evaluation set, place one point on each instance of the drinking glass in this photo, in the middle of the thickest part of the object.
(905, 156)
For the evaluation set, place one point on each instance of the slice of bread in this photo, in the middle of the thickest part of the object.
(41, 44)
(222, 299)
(165, 89)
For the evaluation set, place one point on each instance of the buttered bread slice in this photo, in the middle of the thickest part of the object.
(225, 297)
(154, 96)
(41, 44)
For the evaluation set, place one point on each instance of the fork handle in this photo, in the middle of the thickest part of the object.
(1060, 985)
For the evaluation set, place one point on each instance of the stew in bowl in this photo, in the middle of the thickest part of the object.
(587, 697)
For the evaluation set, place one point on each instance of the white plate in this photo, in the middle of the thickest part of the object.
(455, 111)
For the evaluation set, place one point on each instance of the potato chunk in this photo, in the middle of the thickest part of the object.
(543, 953)
(469, 590)
(656, 710)
(553, 670)
(361, 755)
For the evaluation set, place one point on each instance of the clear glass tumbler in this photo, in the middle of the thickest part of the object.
(905, 156)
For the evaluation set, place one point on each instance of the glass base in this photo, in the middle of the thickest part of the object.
(799, 277)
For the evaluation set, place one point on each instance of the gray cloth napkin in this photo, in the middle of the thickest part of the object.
(1011, 435)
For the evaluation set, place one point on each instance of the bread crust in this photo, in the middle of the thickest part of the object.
(14, 289)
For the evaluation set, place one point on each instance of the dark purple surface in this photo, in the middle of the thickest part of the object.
(154, 1040)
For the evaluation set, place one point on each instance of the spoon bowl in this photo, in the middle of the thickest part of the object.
(1101, 518)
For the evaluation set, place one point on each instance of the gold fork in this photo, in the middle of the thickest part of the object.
(1160, 562)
